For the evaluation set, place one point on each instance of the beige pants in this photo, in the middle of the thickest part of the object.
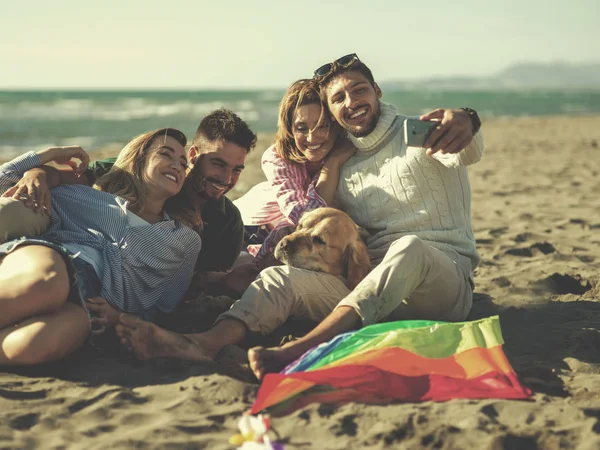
(414, 281)
(17, 220)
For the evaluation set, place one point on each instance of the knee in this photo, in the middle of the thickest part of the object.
(30, 347)
(17, 220)
(49, 285)
(52, 280)
(409, 246)
(275, 271)
(270, 283)
(286, 280)
(273, 275)
(9, 220)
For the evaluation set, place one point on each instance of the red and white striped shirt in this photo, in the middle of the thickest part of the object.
(280, 201)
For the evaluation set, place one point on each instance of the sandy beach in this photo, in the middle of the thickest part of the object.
(536, 217)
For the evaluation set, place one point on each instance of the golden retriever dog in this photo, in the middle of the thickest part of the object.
(326, 240)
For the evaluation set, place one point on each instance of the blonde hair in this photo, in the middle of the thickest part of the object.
(302, 92)
(126, 177)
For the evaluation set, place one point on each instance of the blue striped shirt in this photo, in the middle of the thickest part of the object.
(145, 268)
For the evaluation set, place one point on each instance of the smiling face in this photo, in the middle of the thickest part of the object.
(314, 140)
(165, 167)
(217, 168)
(354, 102)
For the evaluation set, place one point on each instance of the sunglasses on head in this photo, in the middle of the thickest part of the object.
(344, 61)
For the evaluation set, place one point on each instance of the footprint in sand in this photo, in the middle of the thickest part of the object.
(346, 426)
(522, 237)
(101, 429)
(326, 409)
(594, 412)
(25, 421)
(199, 429)
(562, 284)
(539, 247)
(498, 231)
(82, 404)
(501, 281)
(23, 395)
(514, 442)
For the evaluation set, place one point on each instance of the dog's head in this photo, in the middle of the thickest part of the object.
(326, 240)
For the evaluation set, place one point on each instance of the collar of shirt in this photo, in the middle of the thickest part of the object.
(123, 205)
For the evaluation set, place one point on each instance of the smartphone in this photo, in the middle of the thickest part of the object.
(417, 131)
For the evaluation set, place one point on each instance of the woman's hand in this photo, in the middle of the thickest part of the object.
(65, 156)
(342, 151)
(107, 316)
(32, 190)
(327, 183)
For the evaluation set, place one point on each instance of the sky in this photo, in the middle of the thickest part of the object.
(244, 44)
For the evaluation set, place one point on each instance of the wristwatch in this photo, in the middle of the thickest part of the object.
(475, 120)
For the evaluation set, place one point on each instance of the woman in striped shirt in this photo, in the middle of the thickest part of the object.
(115, 241)
(302, 167)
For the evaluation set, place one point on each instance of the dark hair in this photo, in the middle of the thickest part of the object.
(224, 125)
(356, 66)
(301, 92)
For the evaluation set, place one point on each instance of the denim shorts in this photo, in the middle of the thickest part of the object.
(84, 282)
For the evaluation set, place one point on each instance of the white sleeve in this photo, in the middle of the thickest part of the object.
(469, 155)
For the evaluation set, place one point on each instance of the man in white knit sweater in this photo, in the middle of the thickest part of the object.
(414, 202)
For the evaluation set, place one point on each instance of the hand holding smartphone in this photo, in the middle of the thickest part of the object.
(416, 132)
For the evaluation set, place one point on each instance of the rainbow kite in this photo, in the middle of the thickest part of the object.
(407, 361)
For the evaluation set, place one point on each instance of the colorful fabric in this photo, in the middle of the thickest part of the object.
(406, 361)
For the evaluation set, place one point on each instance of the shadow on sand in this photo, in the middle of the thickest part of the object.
(539, 341)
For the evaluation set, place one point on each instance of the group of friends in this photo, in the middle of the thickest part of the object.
(114, 243)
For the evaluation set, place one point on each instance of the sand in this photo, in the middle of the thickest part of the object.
(536, 216)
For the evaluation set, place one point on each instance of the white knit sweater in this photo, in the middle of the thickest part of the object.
(393, 190)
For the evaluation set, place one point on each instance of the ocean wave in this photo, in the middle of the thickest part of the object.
(120, 111)
(575, 108)
(35, 119)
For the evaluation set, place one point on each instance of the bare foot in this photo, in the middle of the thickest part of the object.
(148, 340)
(267, 360)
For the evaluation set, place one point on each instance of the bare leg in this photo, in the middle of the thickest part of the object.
(148, 340)
(33, 280)
(263, 360)
(47, 337)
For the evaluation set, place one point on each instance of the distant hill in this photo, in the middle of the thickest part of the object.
(557, 75)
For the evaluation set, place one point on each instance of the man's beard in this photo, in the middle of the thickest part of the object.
(367, 130)
(370, 127)
(198, 188)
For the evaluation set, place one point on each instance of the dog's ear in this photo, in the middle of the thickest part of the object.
(357, 263)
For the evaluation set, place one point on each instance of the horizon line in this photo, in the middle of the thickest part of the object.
(135, 89)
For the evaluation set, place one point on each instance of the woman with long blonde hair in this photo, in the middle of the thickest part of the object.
(116, 241)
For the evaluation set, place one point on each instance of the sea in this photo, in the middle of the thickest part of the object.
(32, 120)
